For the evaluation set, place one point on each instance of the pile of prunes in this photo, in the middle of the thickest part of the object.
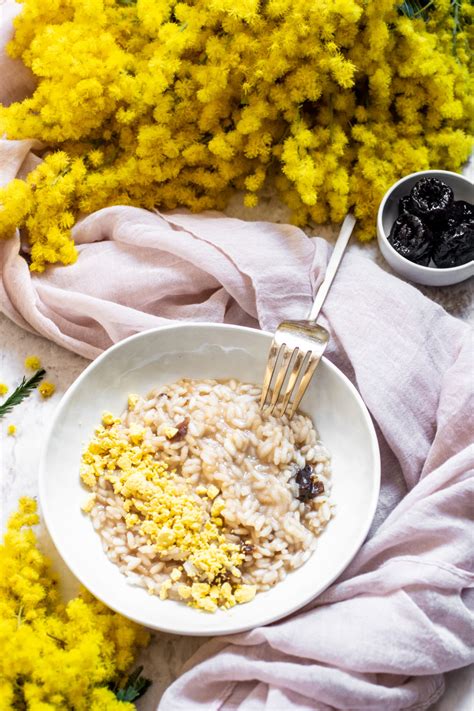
(432, 225)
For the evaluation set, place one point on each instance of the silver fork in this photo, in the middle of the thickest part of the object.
(298, 345)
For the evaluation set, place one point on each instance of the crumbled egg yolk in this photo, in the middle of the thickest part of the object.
(11, 430)
(164, 589)
(217, 507)
(168, 513)
(108, 419)
(136, 434)
(88, 505)
(3, 389)
(244, 593)
(171, 432)
(212, 491)
(32, 362)
(132, 401)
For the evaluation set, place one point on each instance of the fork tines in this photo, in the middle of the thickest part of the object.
(294, 355)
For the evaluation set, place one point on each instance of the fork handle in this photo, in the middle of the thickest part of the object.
(333, 265)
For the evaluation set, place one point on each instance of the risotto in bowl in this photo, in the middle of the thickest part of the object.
(177, 502)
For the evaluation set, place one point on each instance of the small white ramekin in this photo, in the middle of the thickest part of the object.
(388, 213)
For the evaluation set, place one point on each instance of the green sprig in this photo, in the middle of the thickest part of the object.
(421, 9)
(457, 21)
(133, 687)
(24, 389)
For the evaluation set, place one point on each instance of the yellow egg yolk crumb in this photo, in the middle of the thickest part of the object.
(132, 401)
(3, 389)
(47, 389)
(169, 514)
(212, 491)
(88, 505)
(32, 362)
(11, 430)
(171, 432)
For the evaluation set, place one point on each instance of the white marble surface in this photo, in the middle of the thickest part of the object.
(19, 467)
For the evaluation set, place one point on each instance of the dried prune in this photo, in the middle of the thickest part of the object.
(430, 199)
(308, 487)
(183, 427)
(412, 239)
(304, 479)
(460, 211)
(454, 246)
(404, 206)
(318, 488)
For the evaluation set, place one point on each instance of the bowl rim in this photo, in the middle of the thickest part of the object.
(381, 232)
(205, 630)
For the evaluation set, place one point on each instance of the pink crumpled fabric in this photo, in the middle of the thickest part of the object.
(402, 613)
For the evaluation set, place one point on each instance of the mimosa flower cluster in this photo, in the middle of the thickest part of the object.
(165, 103)
(55, 655)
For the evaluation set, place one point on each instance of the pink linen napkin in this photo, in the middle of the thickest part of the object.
(402, 613)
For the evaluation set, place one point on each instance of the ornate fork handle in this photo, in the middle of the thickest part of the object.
(298, 346)
(333, 265)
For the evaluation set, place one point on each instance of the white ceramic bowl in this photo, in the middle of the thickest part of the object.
(164, 355)
(388, 213)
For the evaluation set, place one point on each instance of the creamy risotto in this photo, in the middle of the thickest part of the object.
(198, 496)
